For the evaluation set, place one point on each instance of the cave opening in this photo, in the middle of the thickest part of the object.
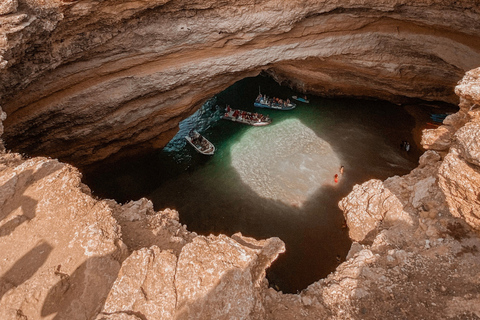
(273, 181)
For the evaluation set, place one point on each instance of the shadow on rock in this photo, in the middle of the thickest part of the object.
(13, 196)
(82, 294)
(25, 267)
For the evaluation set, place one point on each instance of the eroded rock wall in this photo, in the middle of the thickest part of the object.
(459, 174)
(67, 255)
(82, 80)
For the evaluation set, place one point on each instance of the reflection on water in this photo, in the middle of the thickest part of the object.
(285, 161)
(273, 181)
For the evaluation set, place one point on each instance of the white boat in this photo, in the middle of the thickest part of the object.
(263, 101)
(200, 143)
(251, 118)
(304, 99)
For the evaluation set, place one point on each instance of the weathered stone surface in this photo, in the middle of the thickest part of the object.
(142, 227)
(61, 249)
(468, 142)
(438, 139)
(3, 116)
(460, 171)
(8, 6)
(469, 87)
(145, 286)
(375, 204)
(109, 76)
(460, 183)
(219, 277)
(365, 209)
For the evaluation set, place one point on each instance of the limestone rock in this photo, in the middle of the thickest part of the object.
(219, 277)
(468, 142)
(3, 116)
(144, 286)
(459, 181)
(396, 201)
(469, 87)
(365, 208)
(150, 65)
(428, 158)
(460, 173)
(153, 63)
(61, 249)
(8, 6)
(135, 210)
(142, 227)
(438, 139)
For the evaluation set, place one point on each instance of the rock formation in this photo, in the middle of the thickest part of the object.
(82, 80)
(67, 255)
(85, 78)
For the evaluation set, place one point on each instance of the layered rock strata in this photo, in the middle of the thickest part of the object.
(66, 255)
(82, 80)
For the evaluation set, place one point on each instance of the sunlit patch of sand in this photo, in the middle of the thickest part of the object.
(287, 161)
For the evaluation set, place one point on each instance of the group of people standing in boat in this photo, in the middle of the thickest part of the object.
(250, 116)
(272, 101)
(198, 140)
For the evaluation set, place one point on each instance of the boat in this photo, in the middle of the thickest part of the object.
(304, 100)
(263, 101)
(439, 117)
(200, 143)
(251, 118)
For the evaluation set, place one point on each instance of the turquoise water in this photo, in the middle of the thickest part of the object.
(273, 181)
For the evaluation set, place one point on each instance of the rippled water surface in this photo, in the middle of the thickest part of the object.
(270, 181)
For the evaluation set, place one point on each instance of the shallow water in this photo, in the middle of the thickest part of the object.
(270, 181)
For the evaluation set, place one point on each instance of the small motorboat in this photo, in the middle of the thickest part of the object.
(200, 143)
(250, 118)
(304, 99)
(263, 101)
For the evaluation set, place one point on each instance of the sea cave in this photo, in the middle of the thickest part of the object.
(107, 211)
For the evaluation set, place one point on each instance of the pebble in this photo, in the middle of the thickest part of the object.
(427, 244)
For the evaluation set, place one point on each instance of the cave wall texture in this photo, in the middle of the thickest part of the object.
(82, 80)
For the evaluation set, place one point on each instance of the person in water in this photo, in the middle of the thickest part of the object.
(341, 169)
(336, 178)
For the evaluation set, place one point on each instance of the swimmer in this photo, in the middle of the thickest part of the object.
(341, 169)
(336, 178)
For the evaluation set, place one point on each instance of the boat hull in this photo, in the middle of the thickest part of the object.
(240, 116)
(301, 99)
(251, 123)
(208, 151)
(275, 107)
